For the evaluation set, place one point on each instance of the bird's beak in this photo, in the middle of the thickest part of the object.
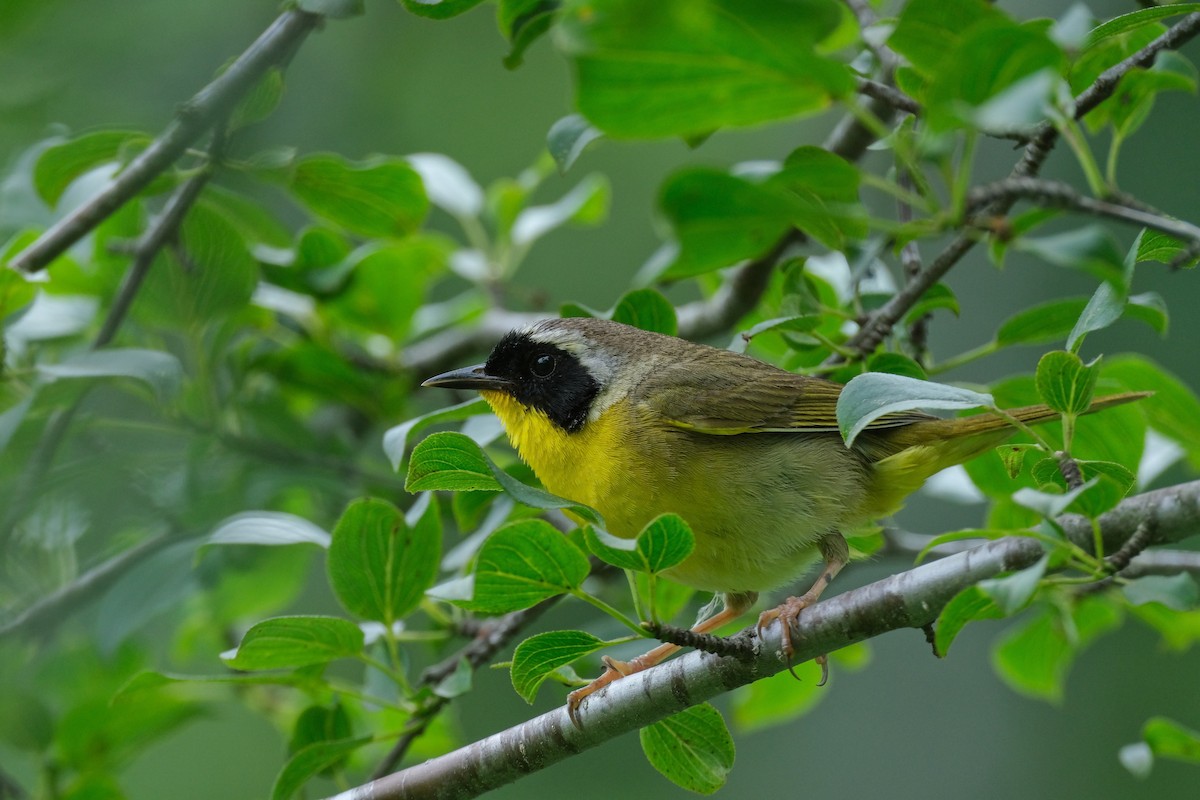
(475, 377)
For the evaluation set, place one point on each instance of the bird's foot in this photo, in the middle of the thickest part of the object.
(787, 613)
(613, 670)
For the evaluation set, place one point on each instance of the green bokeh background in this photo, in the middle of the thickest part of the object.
(907, 726)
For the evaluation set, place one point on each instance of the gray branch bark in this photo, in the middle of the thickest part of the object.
(196, 116)
(910, 599)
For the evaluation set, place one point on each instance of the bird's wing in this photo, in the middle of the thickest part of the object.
(741, 395)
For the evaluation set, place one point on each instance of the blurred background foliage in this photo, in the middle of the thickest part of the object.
(270, 349)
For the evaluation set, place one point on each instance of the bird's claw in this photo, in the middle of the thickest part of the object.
(787, 613)
(613, 670)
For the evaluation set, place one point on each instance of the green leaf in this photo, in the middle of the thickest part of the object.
(334, 9)
(1112, 482)
(271, 528)
(160, 582)
(379, 567)
(1178, 592)
(869, 396)
(794, 326)
(586, 204)
(1091, 248)
(310, 761)
(457, 683)
(522, 22)
(1134, 20)
(216, 275)
(453, 462)
(665, 542)
(395, 439)
(1012, 592)
(896, 364)
(382, 285)
(646, 309)
(1169, 739)
(937, 296)
(1105, 308)
(439, 9)
(1150, 308)
(448, 184)
(928, 29)
(825, 187)
(1049, 504)
(12, 417)
(1163, 248)
(720, 219)
(1034, 659)
(569, 136)
(989, 59)
(692, 749)
(288, 642)
(449, 461)
(59, 165)
(1173, 411)
(319, 723)
(963, 535)
(523, 563)
(688, 67)
(1013, 456)
(260, 101)
(540, 655)
(1065, 383)
(380, 197)
(778, 699)
(969, 604)
(161, 371)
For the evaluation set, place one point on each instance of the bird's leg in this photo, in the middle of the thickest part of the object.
(836, 553)
(735, 605)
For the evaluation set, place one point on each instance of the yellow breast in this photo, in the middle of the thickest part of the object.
(583, 466)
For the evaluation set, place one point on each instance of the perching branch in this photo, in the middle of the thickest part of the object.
(1033, 157)
(910, 599)
(197, 115)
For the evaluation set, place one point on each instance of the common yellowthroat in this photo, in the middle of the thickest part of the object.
(638, 424)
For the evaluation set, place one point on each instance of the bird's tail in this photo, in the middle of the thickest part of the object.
(919, 450)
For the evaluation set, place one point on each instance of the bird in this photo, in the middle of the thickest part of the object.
(636, 424)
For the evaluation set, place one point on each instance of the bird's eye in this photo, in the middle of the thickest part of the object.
(543, 366)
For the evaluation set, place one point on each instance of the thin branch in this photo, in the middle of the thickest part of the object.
(157, 234)
(39, 617)
(697, 320)
(210, 104)
(909, 600)
(1055, 194)
(165, 227)
(491, 637)
(888, 94)
(1034, 156)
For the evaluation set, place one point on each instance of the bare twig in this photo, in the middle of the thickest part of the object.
(888, 94)
(1069, 469)
(157, 234)
(1033, 157)
(39, 617)
(492, 636)
(910, 599)
(1055, 194)
(210, 104)
(705, 642)
(697, 320)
